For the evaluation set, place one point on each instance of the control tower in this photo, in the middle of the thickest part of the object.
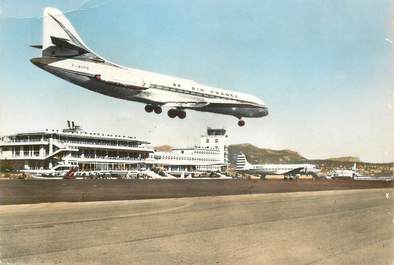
(216, 139)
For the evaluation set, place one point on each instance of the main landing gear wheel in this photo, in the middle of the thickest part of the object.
(172, 113)
(149, 108)
(241, 123)
(157, 109)
(181, 114)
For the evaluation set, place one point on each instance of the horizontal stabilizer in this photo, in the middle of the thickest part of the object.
(60, 39)
(66, 44)
(36, 46)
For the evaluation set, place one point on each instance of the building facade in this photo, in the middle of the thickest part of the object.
(53, 149)
(98, 152)
(195, 159)
(210, 155)
(216, 139)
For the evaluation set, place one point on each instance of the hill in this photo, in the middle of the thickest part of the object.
(258, 155)
(352, 159)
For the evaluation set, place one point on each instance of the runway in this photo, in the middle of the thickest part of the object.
(38, 191)
(325, 227)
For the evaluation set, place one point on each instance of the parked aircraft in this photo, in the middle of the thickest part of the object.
(58, 172)
(287, 170)
(345, 173)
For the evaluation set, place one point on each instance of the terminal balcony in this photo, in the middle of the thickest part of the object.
(24, 142)
(34, 155)
(108, 146)
(98, 159)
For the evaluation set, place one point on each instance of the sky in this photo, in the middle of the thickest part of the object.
(324, 69)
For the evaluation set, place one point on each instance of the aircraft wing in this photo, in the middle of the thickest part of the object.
(297, 170)
(120, 83)
(187, 105)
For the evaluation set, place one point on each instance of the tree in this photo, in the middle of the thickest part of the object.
(6, 166)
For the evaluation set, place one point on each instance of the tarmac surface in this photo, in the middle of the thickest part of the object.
(325, 227)
(38, 191)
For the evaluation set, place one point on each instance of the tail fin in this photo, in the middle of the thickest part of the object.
(242, 163)
(59, 37)
(354, 168)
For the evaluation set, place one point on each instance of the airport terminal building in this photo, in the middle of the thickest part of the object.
(53, 149)
(210, 155)
(98, 152)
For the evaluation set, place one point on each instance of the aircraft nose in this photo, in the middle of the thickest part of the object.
(264, 111)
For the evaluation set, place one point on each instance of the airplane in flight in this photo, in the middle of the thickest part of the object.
(289, 171)
(65, 55)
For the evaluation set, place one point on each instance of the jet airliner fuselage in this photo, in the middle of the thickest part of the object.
(65, 55)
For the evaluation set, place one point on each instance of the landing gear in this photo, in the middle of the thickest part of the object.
(172, 113)
(157, 109)
(181, 114)
(150, 108)
(241, 123)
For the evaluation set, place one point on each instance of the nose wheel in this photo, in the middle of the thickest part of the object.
(172, 113)
(241, 123)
